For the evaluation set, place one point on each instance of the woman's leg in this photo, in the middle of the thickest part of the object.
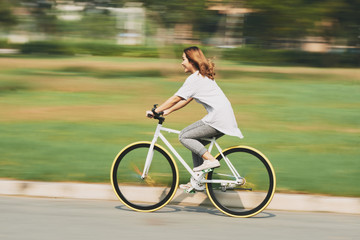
(198, 160)
(191, 136)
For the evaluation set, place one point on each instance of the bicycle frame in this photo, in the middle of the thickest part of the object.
(158, 134)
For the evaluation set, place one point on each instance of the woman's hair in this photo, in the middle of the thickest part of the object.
(198, 60)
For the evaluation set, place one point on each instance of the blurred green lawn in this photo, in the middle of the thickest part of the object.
(65, 119)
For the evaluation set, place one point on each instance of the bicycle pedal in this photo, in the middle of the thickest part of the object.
(207, 170)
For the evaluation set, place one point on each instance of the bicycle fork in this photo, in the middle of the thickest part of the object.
(150, 153)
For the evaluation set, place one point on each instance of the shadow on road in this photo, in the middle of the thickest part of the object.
(198, 209)
(264, 215)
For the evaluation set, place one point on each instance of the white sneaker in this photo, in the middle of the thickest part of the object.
(185, 186)
(188, 188)
(206, 165)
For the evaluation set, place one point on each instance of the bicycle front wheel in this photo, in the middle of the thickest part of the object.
(156, 189)
(254, 195)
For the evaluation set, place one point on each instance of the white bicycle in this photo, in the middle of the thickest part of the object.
(145, 176)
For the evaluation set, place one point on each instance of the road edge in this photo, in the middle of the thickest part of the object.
(97, 191)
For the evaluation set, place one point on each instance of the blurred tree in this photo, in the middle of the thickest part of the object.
(295, 19)
(7, 18)
(343, 18)
(95, 23)
(106, 3)
(43, 15)
(195, 13)
(288, 19)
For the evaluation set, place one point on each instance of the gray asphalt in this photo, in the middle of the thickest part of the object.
(44, 218)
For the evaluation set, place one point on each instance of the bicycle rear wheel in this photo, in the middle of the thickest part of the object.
(250, 198)
(156, 189)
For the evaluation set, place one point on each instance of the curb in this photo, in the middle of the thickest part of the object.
(281, 201)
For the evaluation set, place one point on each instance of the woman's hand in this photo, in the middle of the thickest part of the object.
(149, 114)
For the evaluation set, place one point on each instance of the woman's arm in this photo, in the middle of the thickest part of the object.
(182, 103)
(172, 104)
(168, 103)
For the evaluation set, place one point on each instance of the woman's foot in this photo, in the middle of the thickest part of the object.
(185, 186)
(188, 188)
(207, 164)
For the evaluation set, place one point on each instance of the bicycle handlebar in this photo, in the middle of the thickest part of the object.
(157, 116)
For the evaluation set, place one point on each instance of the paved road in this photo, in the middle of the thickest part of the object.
(24, 218)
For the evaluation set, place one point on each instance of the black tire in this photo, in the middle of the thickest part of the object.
(151, 193)
(252, 197)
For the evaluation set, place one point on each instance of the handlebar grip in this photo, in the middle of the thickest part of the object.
(157, 115)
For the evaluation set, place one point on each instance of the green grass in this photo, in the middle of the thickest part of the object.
(65, 119)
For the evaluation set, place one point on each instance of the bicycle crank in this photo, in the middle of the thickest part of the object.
(232, 186)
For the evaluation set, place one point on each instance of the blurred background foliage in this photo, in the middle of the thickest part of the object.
(317, 33)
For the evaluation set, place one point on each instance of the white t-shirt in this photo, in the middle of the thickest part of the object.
(206, 92)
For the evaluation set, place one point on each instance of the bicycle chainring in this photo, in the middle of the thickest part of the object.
(196, 184)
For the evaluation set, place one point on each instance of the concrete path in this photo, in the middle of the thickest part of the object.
(24, 218)
(281, 201)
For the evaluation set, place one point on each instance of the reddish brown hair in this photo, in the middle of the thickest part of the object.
(198, 60)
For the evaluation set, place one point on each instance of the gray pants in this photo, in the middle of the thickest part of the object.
(191, 136)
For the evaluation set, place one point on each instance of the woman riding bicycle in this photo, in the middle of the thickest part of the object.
(220, 120)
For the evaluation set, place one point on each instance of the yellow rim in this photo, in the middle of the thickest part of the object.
(176, 170)
(272, 193)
